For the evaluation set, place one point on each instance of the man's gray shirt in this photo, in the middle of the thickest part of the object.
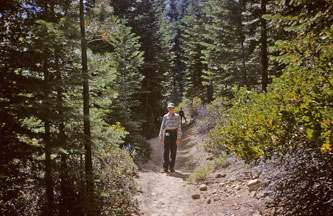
(170, 123)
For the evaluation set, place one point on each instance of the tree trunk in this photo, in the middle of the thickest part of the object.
(48, 170)
(47, 136)
(147, 134)
(264, 58)
(242, 38)
(210, 92)
(64, 178)
(243, 64)
(87, 133)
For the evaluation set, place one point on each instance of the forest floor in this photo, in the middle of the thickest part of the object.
(227, 194)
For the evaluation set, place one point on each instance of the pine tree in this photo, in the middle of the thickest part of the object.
(175, 12)
(126, 60)
(232, 45)
(192, 45)
(15, 152)
(86, 112)
(264, 46)
(42, 130)
(40, 39)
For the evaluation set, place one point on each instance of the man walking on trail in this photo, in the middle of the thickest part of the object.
(170, 135)
(181, 113)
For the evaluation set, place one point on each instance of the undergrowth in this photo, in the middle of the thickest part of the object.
(202, 173)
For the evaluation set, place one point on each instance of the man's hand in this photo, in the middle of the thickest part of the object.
(161, 141)
(177, 141)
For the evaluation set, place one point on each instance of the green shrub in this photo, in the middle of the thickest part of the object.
(201, 173)
(142, 149)
(222, 161)
(114, 170)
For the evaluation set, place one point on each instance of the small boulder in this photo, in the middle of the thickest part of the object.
(253, 194)
(263, 194)
(196, 196)
(221, 184)
(209, 201)
(203, 187)
(220, 175)
(253, 184)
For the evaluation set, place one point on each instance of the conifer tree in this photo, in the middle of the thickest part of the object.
(264, 47)
(147, 19)
(175, 11)
(41, 166)
(14, 151)
(125, 61)
(232, 45)
(86, 115)
(40, 39)
(192, 45)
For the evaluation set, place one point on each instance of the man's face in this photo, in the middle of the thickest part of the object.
(171, 109)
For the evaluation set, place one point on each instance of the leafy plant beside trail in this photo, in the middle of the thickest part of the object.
(296, 111)
(114, 170)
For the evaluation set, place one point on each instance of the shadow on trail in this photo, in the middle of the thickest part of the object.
(179, 175)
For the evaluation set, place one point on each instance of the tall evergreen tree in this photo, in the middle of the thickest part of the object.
(87, 141)
(192, 45)
(41, 151)
(146, 18)
(232, 45)
(264, 47)
(126, 60)
(39, 39)
(15, 151)
(175, 11)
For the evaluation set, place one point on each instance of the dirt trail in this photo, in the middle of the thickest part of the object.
(169, 194)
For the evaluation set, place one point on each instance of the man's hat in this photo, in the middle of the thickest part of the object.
(171, 105)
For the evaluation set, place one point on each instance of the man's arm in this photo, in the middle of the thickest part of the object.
(179, 131)
(161, 131)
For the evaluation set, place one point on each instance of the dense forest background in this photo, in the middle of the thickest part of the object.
(85, 83)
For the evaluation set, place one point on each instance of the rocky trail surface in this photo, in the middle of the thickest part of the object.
(231, 191)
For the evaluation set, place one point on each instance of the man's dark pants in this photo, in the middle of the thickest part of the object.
(170, 147)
